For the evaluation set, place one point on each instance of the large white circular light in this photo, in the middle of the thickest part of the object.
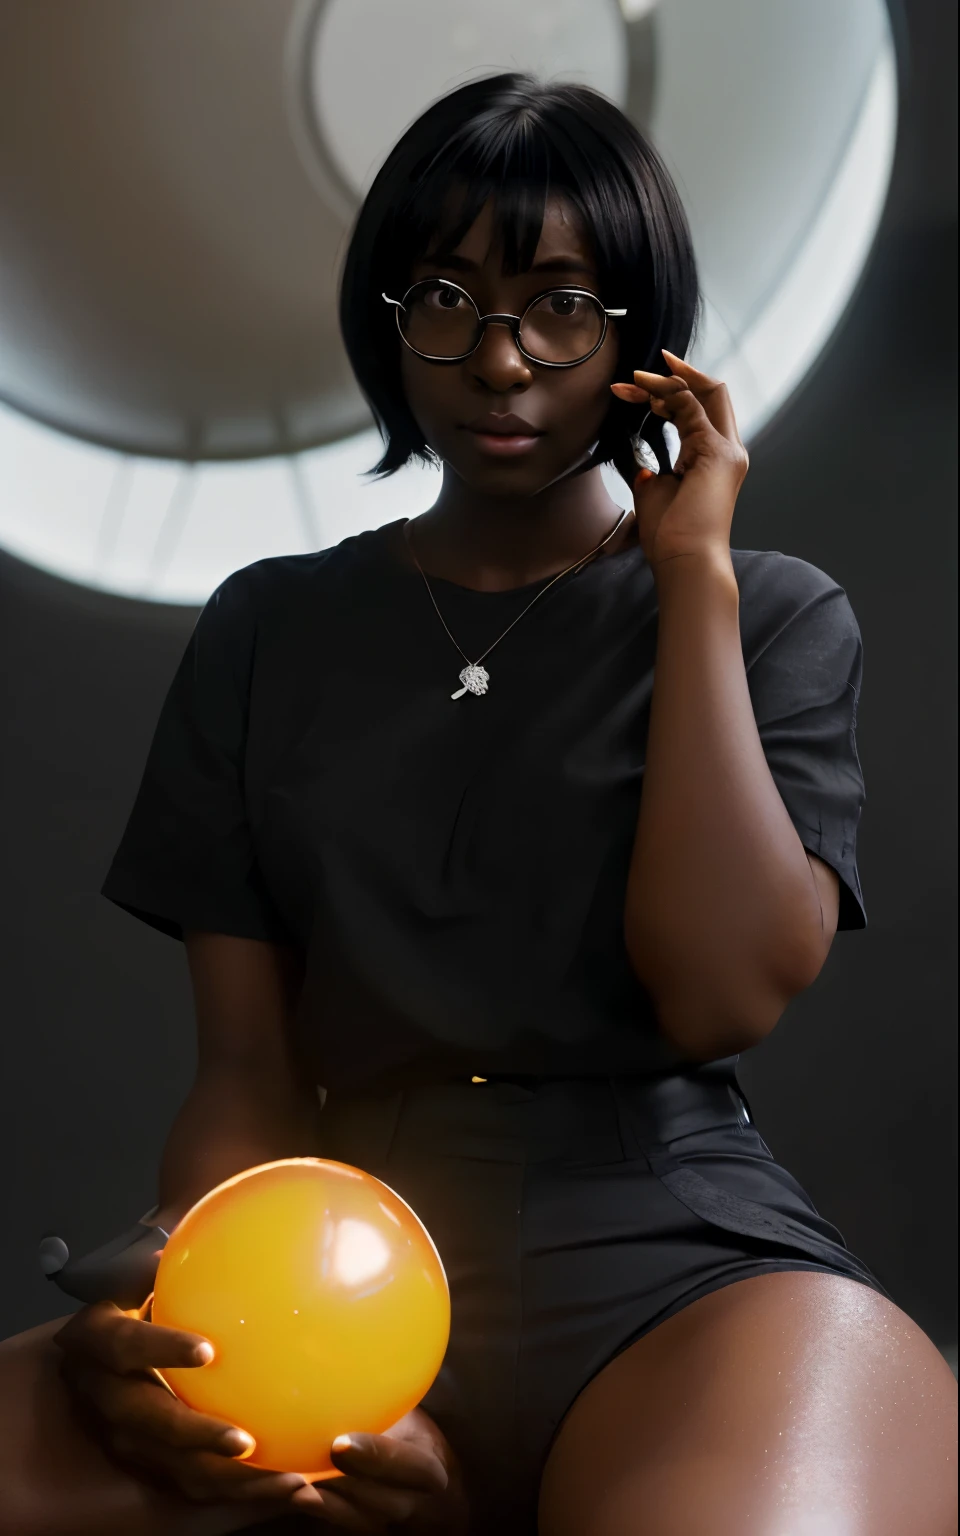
(364, 97)
(169, 532)
(781, 145)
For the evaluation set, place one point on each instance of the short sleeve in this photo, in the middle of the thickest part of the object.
(186, 859)
(803, 656)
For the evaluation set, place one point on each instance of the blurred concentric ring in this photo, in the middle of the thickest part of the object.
(178, 182)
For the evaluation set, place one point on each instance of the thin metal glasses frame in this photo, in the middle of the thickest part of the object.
(513, 321)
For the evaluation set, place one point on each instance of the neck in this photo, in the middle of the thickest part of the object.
(496, 542)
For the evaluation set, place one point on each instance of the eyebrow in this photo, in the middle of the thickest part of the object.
(565, 264)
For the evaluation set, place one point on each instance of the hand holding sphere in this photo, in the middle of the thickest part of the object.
(323, 1298)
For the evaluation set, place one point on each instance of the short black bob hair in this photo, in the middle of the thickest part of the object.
(517, 140)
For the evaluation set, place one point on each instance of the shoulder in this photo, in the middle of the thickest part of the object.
(282, 585)
(267, 611)
(784, 599)
(281, 579)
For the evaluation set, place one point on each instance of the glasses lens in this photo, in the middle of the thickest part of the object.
(562, 327)
(439, 320)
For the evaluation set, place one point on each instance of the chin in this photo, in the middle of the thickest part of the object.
(521, 479)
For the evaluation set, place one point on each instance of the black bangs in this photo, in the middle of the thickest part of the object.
(513, 140)
(504, 159)
(518, 210)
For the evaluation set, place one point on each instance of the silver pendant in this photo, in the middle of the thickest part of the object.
(474, 678)
(643, 455)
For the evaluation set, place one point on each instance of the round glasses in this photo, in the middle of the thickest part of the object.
(439, 321)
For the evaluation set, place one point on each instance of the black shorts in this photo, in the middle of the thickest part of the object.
(572, 1216)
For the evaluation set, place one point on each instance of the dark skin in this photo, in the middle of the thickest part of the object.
(502, 523)
(765, 917)
(785, 1405)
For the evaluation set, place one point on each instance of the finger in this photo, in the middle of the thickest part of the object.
(122, 1343)
(398, 1462)
(391, 1506)
(381, 1504)
(658, 385)
(335, 1510)
(632, 393)
(239, 1484)
(712, 394)
(144, 1312)
(202, 1475)
(151, 1412)
(685, 411)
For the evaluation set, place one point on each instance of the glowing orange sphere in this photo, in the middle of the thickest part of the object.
(324, 1299)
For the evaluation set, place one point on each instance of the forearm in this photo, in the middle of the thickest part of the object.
(722, 919)
(237, 1114)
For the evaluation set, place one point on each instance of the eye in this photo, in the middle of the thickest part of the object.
(566, 304)
(443, 298)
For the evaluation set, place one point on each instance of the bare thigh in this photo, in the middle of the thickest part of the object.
(798, 1404)
(55, 1480)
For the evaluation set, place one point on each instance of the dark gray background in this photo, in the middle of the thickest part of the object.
(855, 1090)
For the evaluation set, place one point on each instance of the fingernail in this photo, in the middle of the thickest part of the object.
(203, 1354)
(237, 1440)
(644, 474)
(344, 1443)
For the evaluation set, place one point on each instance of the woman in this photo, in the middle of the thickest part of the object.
(393, 808)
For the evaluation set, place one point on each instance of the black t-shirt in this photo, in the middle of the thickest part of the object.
(454, 870)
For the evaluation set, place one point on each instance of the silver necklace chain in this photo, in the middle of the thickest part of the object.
(474, 677)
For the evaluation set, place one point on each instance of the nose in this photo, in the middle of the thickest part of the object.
(497, 362)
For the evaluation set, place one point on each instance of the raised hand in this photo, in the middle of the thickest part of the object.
(691, 510)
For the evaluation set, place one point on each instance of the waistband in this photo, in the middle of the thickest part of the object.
(519, 1118)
